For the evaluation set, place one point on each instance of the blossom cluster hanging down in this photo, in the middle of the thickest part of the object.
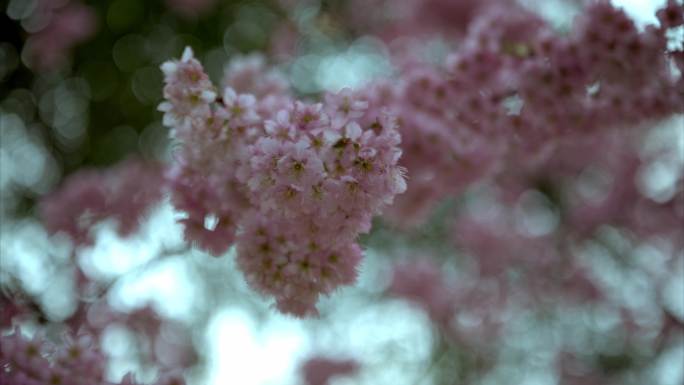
(291, 183)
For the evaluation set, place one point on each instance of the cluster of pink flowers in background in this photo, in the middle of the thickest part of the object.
(320, 370)
(124, 194)
(70, 352)
(548, 132)
(515, 89)
(56, 27)
(29, 362)
(540, 127)
(91, 196)
(76, 360)
(190, 8)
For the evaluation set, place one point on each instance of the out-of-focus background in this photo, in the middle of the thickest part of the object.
(79, 88)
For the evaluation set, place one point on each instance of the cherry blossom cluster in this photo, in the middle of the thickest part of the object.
(41, 359)
(11, 307)
(537, 231)
(160, 342)
(504, 240)
(293, 183)
(90, 196)
(515, 87)
(75, 360)
(521, 247)
(123, 194)
(563, 120)
(604, 186)
(623, 202)
(397, 19)
(422, 282)
(54, 28)
(35, 361)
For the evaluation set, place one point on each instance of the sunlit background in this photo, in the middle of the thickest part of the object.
(100, 107)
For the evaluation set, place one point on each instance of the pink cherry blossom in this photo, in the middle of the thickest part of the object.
(292, 184)
(320, 370)
(90, 196)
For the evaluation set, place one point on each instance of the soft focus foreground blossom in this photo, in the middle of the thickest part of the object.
(55, 27)
(320, 370)
(11, 308)
(411, 18)
(422, 283)
(295, 182)
(90, 196)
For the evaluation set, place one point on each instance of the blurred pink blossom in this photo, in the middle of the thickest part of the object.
(124, 193)
(320, 370)
(60, 26)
